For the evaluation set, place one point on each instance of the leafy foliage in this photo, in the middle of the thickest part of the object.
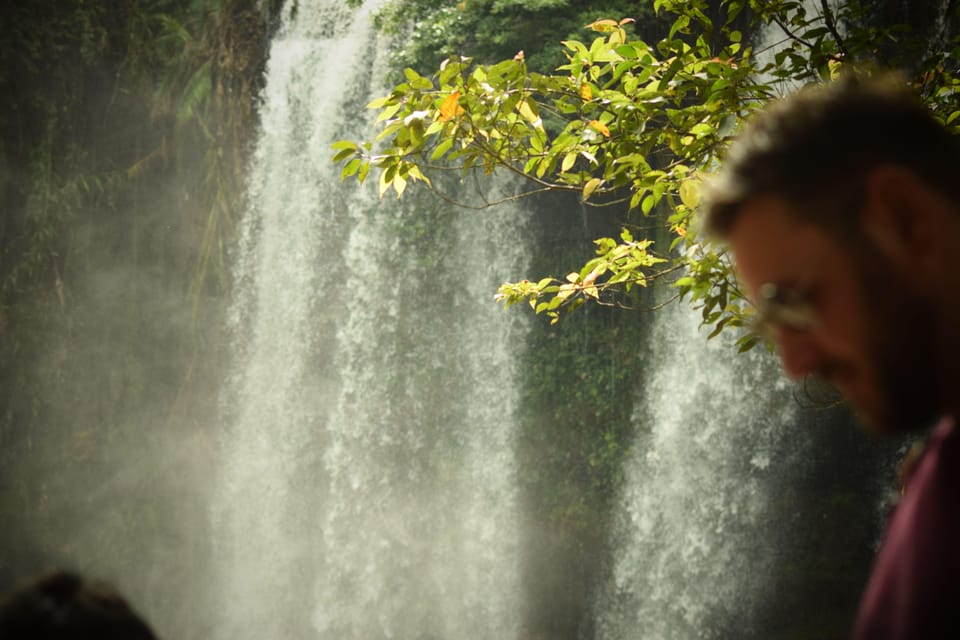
(637, 125)
(489, 30)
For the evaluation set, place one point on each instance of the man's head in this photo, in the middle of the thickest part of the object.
(62, 606)
(841, 207)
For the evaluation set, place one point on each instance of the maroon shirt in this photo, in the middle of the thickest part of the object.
(914, 591)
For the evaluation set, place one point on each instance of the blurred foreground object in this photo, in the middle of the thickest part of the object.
(63, 606)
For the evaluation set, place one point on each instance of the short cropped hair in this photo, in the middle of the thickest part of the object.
(815, 148)
(63, 606)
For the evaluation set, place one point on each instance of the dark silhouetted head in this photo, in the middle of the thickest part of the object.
(62, 606)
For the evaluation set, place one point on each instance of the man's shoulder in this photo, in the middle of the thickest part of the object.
(913, 589)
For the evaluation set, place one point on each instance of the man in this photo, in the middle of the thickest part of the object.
(841, 205)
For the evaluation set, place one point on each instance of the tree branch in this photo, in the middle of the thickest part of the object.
(831, 25)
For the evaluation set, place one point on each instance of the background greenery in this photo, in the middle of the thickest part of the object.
(123, 133)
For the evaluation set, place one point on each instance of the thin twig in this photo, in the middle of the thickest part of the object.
(487, 203)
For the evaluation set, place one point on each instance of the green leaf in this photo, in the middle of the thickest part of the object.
(701, 129)
(364, 170)
(647, 205)
(747, 342)
(350, 168)
(345, 144)
(388, 112)
(378, 103)
(343, 154)
(441, 149)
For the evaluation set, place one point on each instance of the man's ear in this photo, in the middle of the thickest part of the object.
(910, 223)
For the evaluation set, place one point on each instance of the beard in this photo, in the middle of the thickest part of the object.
(903, 352)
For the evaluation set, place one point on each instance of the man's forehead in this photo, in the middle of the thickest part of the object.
(771, 244)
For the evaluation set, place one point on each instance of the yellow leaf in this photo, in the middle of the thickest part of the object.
(690, 193)
(573, 276)
(590, 187)
(383, 185)
(527, 112)
(586, 91)
(568, 161)
(399, 185)
(603, 26)
(596, 125)
(834, 66)
(450, 107)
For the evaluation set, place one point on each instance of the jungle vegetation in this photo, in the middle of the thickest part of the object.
(124, 129)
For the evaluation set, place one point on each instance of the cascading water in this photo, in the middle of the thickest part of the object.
(367, 485)
(694, 550)
(705, 520)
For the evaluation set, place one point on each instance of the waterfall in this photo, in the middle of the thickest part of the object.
(367, 481)
(706, 527)
(695, 546)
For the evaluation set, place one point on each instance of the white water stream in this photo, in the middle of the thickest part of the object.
(694, 548)
(368, 484)
(367, 489)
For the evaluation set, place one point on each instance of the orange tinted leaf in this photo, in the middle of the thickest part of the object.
(596, 125)
(450, 107)
(729, 62)
(586, 92)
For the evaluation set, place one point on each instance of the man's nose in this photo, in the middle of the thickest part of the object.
(798, 352)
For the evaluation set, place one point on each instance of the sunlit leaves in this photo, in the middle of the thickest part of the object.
(623, 123)
(628, 123)
(616, 108)
(617, 266)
